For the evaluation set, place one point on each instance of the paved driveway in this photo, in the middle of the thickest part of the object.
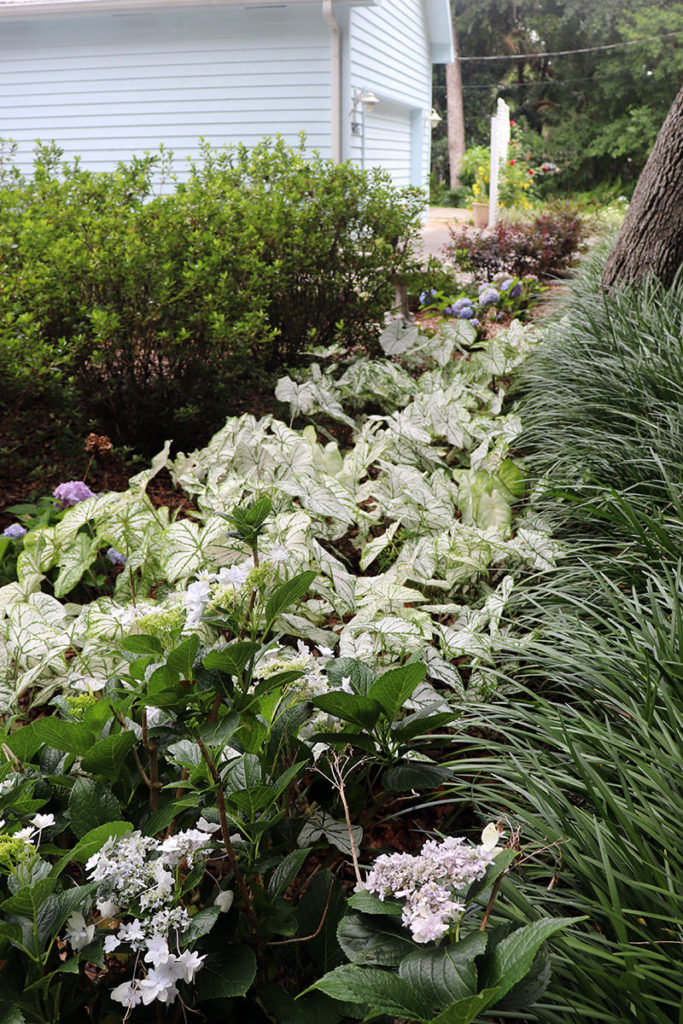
(435, 232)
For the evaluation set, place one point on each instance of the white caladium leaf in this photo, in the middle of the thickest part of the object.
(32, 637)
(74, 561)
(182, 552)
(398, 338)
(336, 832)
(310, 397)
(138, 483)
(377, 545)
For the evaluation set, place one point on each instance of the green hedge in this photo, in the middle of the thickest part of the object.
(147, 311)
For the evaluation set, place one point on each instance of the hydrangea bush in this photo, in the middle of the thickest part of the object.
(490, 300)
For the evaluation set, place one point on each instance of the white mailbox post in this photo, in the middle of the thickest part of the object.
(500, 138)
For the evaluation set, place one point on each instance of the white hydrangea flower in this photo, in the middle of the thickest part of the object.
(42, 821)
(224, 900)
(78, 934)
(127, 993)
(428, 882)
(490, 836)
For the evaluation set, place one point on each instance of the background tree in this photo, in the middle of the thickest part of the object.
(651, 238)
(597, 113)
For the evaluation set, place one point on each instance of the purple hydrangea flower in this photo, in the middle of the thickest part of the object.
(71, 492)
(516, 291)
(115, 557)
(507, 283)
(475, 322)
(489, 297)
(14, 531)
(449, 311)
(499, 316)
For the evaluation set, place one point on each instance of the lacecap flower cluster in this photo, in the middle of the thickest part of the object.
(430, 881)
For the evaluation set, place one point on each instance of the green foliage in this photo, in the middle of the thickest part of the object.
(587, 762)
(595, 114)
(148, 312)
(452, 983)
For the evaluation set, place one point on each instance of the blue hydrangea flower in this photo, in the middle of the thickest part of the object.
(71, 492)
(489, 297)
(426, 297)
(508, 283)
(475, 322)
(461, 303)
(465, 313)
(449, 311)
(115, 557)
(516, 291)
(499, 316)
(14, 531)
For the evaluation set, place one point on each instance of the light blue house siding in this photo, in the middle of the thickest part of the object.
(107, 86)
(389, 55)
(108, 79)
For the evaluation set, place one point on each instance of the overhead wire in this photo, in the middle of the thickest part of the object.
(584, 49)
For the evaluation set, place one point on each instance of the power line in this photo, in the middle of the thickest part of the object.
(547, 81)
(585, 49)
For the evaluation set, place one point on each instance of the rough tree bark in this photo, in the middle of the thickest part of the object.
(651, 238)
(456, 117)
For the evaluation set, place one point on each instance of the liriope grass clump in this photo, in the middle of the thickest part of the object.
(585, 760)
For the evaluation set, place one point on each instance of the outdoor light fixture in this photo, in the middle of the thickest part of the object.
(366, 100)
(434, 118)
(366, 97)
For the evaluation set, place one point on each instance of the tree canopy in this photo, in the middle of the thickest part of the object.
(596, 113)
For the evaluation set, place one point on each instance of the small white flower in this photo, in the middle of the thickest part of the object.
(26, 834)
(490, 836)
(128, 993)
(78, 933)
(234, 575)
(278, 555)
(206, 826)
(189, 963)
(346, 684)
(42, 821)
(224, 900)
(111, 943)
(160, 984)
(107, 908)
(132, 933)
(157, 951)
(326, 652)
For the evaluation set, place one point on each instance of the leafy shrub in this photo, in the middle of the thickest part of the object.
(149, 311)
(545, 246)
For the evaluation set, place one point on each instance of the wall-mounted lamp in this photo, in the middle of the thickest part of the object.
(366, 100)
(434, 118)
(366, 97)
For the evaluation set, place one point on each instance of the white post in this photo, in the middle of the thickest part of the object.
(500, 137)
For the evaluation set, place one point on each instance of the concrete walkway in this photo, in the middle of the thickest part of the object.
(435, 232)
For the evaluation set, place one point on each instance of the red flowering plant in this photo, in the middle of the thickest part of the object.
(522, 174)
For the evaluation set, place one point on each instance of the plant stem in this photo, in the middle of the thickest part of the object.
(225, 833)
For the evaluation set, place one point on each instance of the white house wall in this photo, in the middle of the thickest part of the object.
(389, 54)
(107, 86)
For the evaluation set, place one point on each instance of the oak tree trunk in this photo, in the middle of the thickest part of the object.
(456, 117)
(650, 242)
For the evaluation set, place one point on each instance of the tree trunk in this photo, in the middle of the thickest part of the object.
(651, 238)
(456, 117)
